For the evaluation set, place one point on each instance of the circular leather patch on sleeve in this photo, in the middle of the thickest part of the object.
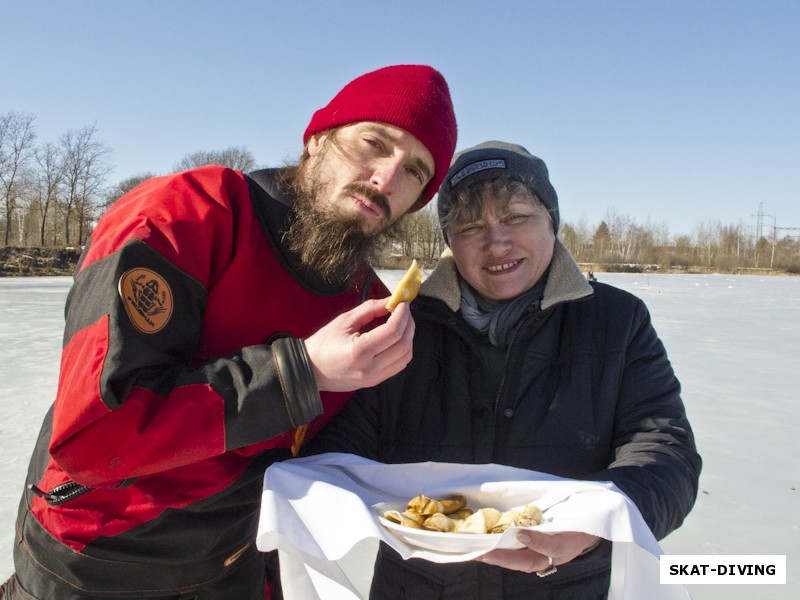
(147, 298)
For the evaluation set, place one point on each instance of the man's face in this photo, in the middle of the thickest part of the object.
(370, 171)
(356, 182)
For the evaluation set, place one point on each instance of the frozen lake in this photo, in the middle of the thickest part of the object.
(734, 342)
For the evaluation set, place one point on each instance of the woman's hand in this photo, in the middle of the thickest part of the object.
(540, 549)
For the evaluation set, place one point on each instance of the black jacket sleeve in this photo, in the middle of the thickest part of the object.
(655, 460)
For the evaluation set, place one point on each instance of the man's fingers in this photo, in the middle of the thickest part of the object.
(386, 334)
(345, 359)
(396, 357)
(389, 346)
(365, 313)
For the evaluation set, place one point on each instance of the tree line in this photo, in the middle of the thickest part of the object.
(619, 243)
(53, 191)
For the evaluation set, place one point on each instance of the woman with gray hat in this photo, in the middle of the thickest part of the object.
(519, 361)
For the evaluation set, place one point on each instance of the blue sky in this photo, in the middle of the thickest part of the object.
(666, 112)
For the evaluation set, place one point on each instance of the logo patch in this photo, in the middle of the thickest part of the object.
(147, 298)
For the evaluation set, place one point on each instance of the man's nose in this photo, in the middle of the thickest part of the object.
(385, 175)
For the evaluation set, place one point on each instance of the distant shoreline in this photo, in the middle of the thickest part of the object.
(16, 261)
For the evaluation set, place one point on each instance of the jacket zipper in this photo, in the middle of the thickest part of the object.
(61, 493)
(533, 316)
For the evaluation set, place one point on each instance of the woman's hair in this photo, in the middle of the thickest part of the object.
(468, 201)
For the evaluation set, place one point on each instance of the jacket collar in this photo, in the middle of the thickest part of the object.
(564, 283)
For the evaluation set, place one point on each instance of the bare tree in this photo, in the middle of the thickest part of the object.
(21, 217)
(787, 254)
(578, 238)
(682, 250)
(419, 235)
(569, 237)
(704, 243)
(86, 162)
(429, 233)
(49, 178)
(17, 135)
(234, 157)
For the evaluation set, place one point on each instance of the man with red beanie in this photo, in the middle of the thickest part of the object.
(218, 319)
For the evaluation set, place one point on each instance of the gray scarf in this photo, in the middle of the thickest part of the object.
(498, 319)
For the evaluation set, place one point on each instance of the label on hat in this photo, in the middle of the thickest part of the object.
(481, 165)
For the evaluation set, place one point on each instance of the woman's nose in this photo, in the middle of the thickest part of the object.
(496, 235)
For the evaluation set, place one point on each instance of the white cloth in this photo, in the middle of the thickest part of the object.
(315, 510)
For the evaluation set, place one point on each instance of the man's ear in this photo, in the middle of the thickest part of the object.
(315, 143)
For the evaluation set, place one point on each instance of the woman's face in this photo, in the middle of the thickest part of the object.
(504, 255)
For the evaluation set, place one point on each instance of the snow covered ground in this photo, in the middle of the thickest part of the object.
(735, 345)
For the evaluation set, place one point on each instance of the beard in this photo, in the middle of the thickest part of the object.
(329, 244)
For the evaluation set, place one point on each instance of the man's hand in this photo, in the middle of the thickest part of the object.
(561, 547)
(344, 359)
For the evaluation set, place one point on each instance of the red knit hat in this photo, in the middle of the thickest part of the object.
(412, 97)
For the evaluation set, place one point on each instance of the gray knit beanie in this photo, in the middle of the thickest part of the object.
(497, 159)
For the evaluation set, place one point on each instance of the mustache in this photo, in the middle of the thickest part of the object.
(370, 193)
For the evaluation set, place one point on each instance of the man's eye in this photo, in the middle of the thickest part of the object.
(417, 174)
(377, 144)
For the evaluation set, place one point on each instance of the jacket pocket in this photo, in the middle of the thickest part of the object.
(63, 492)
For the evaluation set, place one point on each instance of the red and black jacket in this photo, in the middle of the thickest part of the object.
(183, 375)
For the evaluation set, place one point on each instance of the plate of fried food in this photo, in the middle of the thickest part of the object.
(450, 525)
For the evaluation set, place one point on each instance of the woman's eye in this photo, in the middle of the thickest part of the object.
(469, 229)
(516, 219)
